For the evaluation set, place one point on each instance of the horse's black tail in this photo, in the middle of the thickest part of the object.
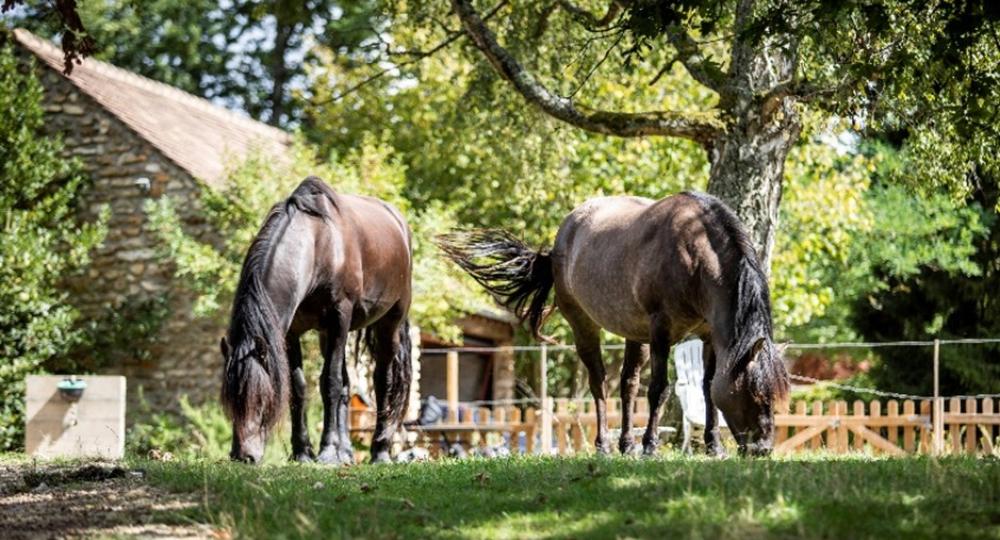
(517, 276)
(392, 376)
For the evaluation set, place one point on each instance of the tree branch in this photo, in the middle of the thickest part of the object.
(701, 68)
(591, 21)
(414, 57)
(701, 128)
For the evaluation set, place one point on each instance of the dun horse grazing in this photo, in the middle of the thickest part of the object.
(328, 262)
(652, 272)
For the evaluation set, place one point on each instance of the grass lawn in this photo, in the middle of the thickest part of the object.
(590, 497)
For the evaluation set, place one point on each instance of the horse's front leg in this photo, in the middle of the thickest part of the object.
(660, 343)
(636, 355)
(334, 387)
(302, 450)
(713, 440)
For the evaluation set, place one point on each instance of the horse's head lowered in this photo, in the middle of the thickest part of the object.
(252, 394)
(747, 394)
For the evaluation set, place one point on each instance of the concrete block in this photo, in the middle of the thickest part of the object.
(94, 426)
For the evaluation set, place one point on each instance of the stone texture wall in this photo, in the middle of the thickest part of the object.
(184, 357)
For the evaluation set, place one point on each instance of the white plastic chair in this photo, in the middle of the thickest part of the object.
(690, 373)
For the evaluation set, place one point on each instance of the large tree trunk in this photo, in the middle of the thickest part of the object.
(747, 169)
(748, 158)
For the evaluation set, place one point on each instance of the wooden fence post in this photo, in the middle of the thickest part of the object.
(451, 380)
(938, 429)
(546, 403)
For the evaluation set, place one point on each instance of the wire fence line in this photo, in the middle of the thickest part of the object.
(790, 345)
(795, 377)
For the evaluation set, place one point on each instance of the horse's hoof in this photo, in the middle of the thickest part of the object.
(603, 449)
(626, 447)
(303, 457)
(329, 456)
(717, 452)
(347, 456)
(649, 451)
(381, 457)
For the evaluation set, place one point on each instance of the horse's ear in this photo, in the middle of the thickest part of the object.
(751, 358)
(260, 348)
(224, 347)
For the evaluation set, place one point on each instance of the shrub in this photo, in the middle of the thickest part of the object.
(40, 243)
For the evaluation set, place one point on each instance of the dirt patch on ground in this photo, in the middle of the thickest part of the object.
(82, 501)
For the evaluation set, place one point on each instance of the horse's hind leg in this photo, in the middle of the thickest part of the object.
(660, 343)
(588, 346)
(301, 447)
(390, 345)
(636, 355)
(713, 441)
(334, 387)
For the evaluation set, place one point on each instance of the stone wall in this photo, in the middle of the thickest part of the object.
(183, 358)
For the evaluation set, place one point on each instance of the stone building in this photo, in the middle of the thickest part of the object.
(138, 139)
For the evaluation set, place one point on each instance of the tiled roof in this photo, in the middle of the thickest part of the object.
(199, 136)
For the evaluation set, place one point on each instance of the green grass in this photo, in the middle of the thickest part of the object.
(811, 497)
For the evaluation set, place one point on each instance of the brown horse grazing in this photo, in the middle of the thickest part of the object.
(328, 262)
(652, 272)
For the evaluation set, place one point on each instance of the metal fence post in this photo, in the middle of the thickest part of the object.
(546, 402)
(938, 446)
(451, 381)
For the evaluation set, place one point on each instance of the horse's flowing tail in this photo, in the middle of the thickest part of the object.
(393, 375)
(517, 276)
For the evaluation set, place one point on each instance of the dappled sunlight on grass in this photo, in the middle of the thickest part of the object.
(589, 497)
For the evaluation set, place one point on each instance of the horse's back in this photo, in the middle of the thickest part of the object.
(620, 258)
(361, 248)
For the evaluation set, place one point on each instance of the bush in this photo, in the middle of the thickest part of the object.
(40, 244)
(199, 433)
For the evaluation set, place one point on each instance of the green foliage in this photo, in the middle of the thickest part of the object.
(254, 185)
(201, 432)
(41, 244)
(849, 230)
(941, 300)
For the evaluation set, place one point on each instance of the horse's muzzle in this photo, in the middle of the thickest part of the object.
(245, 458)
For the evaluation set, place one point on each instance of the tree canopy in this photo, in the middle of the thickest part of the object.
(251, 55)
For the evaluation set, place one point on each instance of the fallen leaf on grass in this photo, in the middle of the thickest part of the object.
(483, 478)
(366, 488)
(222, 534)
(340, 498)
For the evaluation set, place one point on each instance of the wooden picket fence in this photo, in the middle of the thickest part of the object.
(968, 426)
(469, 425)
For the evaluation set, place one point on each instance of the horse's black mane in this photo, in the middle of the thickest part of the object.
(254, 319)
(752, 303)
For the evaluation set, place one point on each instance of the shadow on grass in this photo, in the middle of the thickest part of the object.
(603, 498)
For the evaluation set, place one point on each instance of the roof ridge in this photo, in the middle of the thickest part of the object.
(152, 85)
